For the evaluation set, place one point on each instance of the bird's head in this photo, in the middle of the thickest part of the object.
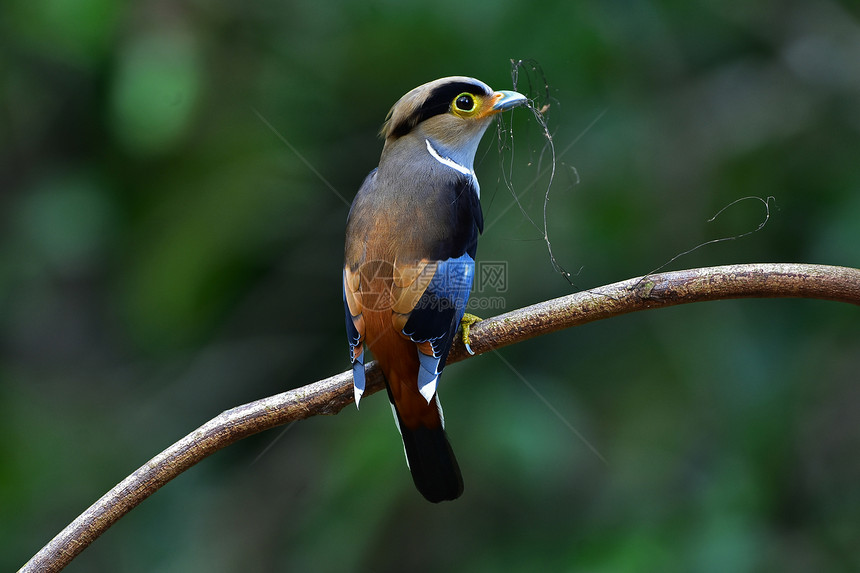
(451, 113)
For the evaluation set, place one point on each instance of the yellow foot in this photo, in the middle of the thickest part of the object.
(466, 324)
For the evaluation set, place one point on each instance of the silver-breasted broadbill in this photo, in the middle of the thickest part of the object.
(409, 260)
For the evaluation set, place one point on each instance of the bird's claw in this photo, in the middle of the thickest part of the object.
(466, 324)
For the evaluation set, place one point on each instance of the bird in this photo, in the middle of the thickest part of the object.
(409, 260)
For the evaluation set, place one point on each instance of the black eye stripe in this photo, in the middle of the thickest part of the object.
(438, 102)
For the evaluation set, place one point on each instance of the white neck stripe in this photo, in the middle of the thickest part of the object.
(447, 161)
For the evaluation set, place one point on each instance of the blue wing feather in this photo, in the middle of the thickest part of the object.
(354, 337)
(438, 313)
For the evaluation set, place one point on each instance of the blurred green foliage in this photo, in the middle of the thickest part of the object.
(166, 255)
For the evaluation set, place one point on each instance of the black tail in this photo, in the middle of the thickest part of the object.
(431, 460)
(432, 463)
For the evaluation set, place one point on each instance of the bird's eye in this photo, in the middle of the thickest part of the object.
(465, 102)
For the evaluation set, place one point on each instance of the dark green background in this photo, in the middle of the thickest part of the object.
(166, 256)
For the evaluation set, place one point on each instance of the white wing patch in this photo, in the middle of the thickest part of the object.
(358, 377)
(397, 423)
(441, 415)
(428, 389)
(428, 375)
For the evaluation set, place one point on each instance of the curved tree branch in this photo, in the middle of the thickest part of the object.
(329, 396)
